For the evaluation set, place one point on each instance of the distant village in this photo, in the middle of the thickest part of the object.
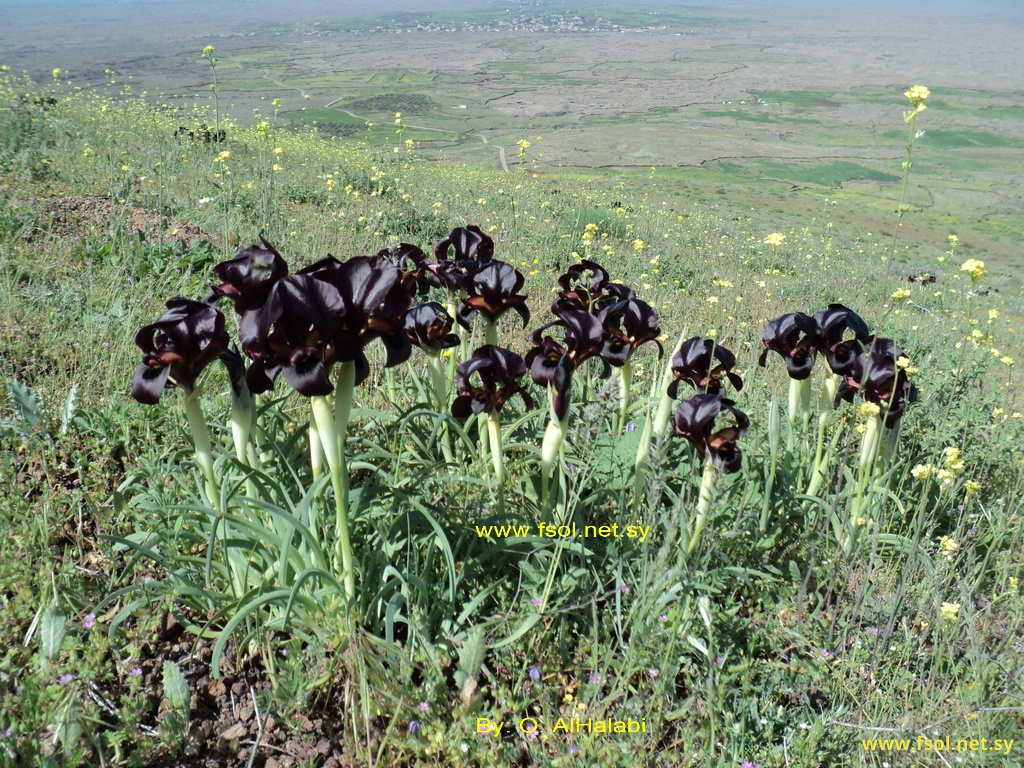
(550, 22)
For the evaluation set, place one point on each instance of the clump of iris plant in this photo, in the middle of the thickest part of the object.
(861, 366)
(485, 382)
(175, 349)
(304, 327)
(553, 365)
(627, 325)
(696, 419)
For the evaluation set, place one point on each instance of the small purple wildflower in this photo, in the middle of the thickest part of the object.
(536, 602)
(414, 728)
(652, 673)
(423, 706)
(663, 618)
(749, 764)
(595, 678)
(89, 621)
(874, 631)
(624, 588)
(630, 427)
(534, 673)
(6, 732)
(719, 660)
(135, 672)
(65, 679)
(825, 654)
(573, 749)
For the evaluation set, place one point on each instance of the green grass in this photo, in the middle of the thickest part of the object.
(765, 642)
(757, 117)
(825, 174)
(964, 139)
(800, 99)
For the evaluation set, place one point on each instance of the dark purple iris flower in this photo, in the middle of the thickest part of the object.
(375, 296)
(876, 375)
(581, 286)
(842, 336)
(552, 364)
(627, 325)
(185, 339)
(498, 371)
(409, 260)
(470, 249)
(796, 338)
(695, 420)
(296, 336)
(695, 363)
(493, 290)
(247, 281)
(429, 327)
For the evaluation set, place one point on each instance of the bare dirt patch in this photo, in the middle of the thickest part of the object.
(75, 216)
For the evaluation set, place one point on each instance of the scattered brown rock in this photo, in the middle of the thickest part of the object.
(235, 732)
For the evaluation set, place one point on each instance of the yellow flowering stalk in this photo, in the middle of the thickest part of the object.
(947, 546)
(950, 611)
(975, 268)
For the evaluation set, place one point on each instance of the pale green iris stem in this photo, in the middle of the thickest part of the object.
(344, 393)
(826, 403)
(550, 449)
(774, 440)
(865, 476)
(389, 383)
(204, 457)
(889, 442)
(497, 455)
(324, 419)
(242, 418)
(704, 499)
(316, 449)
(799, 401)
(439, 381)
(483, 437)
(652, 426)
(490, 332)
(204, 449)
(625, 385)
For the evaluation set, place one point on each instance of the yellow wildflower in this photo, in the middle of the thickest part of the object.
(947, 546)
(868, 409)
(949, 611)
(972, 488)
(922, 472)
(775, 239)
(901, 294)
(974, 268)
(1007, 360)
